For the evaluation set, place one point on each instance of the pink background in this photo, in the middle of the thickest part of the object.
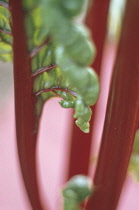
(53, 148)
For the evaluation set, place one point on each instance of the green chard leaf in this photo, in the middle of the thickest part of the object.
(6, 1)
(72, 8)
(134, 161)
(75, 191)
(61, 52)
(5, 33)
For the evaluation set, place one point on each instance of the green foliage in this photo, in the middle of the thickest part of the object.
(76, 190)
(36, 29)
(136, 144)
(134, 162)
(5, 35)
(72, 8)
(43, 58)
(6, 1)
(61, 50)
(69, 46)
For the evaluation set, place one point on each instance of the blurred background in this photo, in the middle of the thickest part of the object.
(53, 143)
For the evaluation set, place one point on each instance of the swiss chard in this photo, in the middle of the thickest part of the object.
(5, 33)
(76, 190)
(61, 51)
(64, 56)
(52, 54)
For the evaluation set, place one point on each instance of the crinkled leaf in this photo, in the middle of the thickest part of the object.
(55, 40)
(43, 58)
(75, 191)
(30, 4)
(136, 144)
(134, 162)
(5, 35)
(72, 8)
(6, 54)
(6, 1)
(4, 19)
(37, 32)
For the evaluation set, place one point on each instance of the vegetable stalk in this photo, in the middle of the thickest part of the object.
(122, 116)
(81, 142)
(26, 127)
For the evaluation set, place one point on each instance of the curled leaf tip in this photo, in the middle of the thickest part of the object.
(56, 40)
(76, 190)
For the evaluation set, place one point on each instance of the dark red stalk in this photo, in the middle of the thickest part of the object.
(122, 116)
(26, 129)
(81, 142)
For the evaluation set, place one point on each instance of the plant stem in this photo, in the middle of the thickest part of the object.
(54, 89)
(38, 49)
(41, 70)
(6, 32)
(81, 142)
(122, 116)
(26, 129)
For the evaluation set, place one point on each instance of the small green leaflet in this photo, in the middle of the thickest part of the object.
(5, 34)
(75, 191)
(134, 161)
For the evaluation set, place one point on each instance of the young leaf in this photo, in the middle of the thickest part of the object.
(5, 33)
(134, 162)
(61, 52)
(76, 190)
(72, 8)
